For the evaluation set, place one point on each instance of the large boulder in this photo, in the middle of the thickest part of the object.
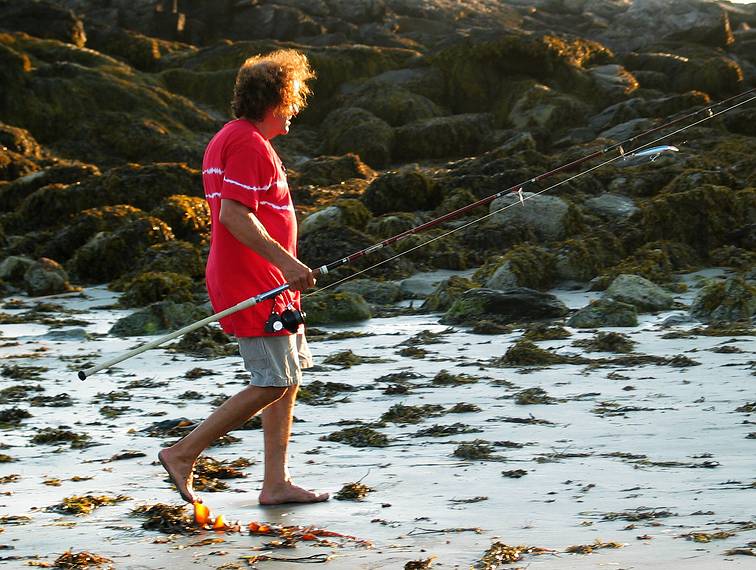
(44, 20)
(701, 217)
(187, 216)
(109, 255)
(63, 172)
(504, 307)
(405, 190)
(360, 132)
(733, 299)
(545, 215)
(348, 212)
(328, 170)
(479, 73)
(395, 105)
(158, 318)
(85, 225)
(153, 286)
(612, 206)
(14, 267)
(439, 137)
(143, 187)
(524, 266)
(377, 292)
(46, 277)
(639, 292)
(604, 313)
(334, 242)
(332, 307)
(116, 113)
(447, 292)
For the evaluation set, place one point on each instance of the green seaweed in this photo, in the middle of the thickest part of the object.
(359, 436)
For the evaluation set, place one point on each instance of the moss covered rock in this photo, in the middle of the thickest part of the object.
(187, 216)
(46, 277)
(139, 51)
(478, 72)
(85, 225)
(447, 292)
(143, 187)
(335, 307)
(604, 313)
(389, 225)
(547, 216)
(395, 105)
(378, 292)
(63, 172)
(582, 259)
(44, 20)
(328, 170)
(153, 286)
(503, 307)
(353, 130)
(525, 266)
(441, 137)
(701, 217)
(733, 299)
(88, 104)
(173, 256)
(109, 255)
(402, 191)
(158, 318)
(639, 292)
(656, 261)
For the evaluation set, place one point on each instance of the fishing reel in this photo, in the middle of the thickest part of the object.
(290, 320)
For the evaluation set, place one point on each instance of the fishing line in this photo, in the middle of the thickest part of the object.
(518, 189)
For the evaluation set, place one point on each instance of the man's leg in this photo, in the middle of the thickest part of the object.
(178, 460)
(277, 485)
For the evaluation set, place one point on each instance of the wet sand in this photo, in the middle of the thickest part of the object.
(654, 442)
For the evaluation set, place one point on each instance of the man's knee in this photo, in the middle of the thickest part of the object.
(274, 393)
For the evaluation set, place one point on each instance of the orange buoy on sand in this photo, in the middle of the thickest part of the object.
(201, 514)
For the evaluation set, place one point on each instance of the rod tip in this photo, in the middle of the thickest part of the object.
(82, 375)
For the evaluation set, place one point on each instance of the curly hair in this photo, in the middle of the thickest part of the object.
(272, 81)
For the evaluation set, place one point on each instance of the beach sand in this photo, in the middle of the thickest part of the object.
(637, 454)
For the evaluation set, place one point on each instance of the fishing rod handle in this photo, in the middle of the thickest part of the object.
(252, 301)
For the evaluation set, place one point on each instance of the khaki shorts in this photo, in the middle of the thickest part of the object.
(275, 360)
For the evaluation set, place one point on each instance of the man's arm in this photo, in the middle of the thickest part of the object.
(244, 226)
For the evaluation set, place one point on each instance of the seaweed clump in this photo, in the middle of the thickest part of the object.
(54, 436)
(85, 504)
(500, 553)
(359, 436)
(169, 519)
(13, 416)
(607, 342)
(477, 450)
(84, 559)
(207, 472)
(526, 353)
(588, 548)
(353, 492)
(402, 414)
(445, 378)
(319, 393)
(532, 396)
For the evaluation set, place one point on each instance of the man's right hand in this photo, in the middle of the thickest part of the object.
(297, 275)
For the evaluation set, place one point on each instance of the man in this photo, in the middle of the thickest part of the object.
(253, 249)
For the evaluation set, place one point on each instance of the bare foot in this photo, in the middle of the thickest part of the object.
(290, 493)
(180, 473)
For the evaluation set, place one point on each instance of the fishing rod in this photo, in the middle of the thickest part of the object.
(639, 151)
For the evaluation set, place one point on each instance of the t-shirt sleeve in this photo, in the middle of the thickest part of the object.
(247, 176)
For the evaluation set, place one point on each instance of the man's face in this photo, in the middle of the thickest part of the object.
(280, 119)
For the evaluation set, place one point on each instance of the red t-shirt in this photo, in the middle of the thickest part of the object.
(240, 164)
